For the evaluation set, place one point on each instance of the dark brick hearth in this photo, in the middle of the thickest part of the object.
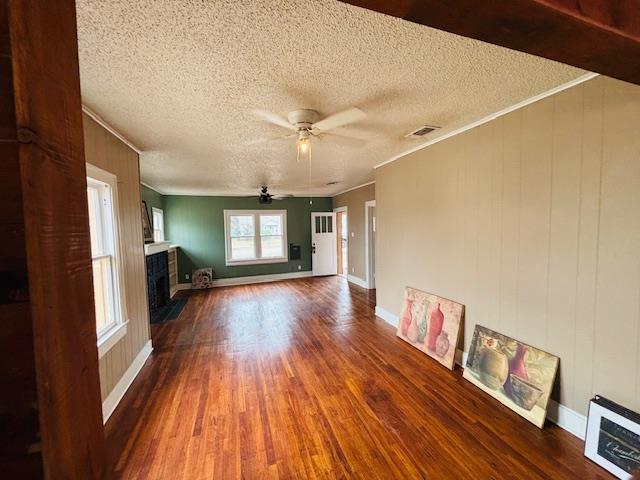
(157, 283)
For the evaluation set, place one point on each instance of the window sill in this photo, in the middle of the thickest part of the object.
(258, 261)
(109, 338)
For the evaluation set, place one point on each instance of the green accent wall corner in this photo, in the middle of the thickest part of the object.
(152, 198)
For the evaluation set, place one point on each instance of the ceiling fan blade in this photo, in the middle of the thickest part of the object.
(344, 140)
(281, 196)
(259, 141)
(339, 119)
(275, 119)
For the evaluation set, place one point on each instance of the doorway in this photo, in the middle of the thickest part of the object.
(370, 242)
(342, 240)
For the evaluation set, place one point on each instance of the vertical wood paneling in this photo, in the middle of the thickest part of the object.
(563, 233)
(511, 150)
(535, 208)
(588, 238)
(107, 152)
(616, 334)
(545, 239)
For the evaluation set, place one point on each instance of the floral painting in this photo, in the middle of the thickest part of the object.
(431, 324)
(518, 375)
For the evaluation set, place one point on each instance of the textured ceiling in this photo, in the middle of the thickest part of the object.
(180, 78)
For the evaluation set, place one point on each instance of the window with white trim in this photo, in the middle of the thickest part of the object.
(103, 228)
(158, 224)
(255, 236)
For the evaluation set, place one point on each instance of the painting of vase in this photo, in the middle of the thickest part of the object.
(432, 324)
(518, 375)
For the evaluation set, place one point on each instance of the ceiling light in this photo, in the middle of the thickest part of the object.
(303, 146)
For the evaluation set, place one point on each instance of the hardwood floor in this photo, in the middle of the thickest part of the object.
(299, 379)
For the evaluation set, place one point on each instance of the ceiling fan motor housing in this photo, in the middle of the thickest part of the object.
(303, 119)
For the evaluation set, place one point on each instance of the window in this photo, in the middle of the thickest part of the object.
(158, 224)
(255, 236)
(101, 197)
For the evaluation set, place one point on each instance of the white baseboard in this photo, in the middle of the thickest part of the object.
(275, 277)
(567, 419)
(113, 399)
(357, 281)
(387, 316)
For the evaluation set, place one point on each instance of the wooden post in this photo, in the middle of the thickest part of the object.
(50, 391)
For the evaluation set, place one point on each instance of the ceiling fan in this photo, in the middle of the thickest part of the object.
(306, 125)
(264, 197)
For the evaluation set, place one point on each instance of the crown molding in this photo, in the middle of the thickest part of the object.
(151, 187)
(353, 188)
(102, 122)
(492, 116)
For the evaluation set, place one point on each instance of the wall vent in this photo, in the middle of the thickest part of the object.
(421, 132)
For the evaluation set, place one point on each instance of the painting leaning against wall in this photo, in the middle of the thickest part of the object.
(431, 324)
(518, 375)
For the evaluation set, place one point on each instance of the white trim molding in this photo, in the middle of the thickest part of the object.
(566, 418)
(354, 188)
(275, 277)
(584, 78)
(102, 122)
(113, 399)
(183, 286)
(357, 281)
(152, 188)
(337, 210)
(387, 316)
(369, 281)
(112, 336)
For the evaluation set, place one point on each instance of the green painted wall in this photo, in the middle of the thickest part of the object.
(153, 198)
(196, 224)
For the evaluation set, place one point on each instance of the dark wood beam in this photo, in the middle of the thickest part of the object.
(602, 36)
(50, 404)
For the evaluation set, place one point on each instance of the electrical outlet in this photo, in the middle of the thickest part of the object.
(353, 234)
(299, 267)
(186, 276)
(353, 270)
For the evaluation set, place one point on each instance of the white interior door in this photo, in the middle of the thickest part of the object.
(324, 243)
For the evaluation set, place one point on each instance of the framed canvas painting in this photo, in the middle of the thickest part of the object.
(613, 437)
(431, 324)
(518, 375)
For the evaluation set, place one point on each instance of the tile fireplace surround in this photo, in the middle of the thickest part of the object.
(157, 283)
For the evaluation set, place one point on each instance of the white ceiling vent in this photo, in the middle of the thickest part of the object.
(421, 131)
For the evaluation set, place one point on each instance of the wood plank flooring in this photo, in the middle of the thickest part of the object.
(299, 379)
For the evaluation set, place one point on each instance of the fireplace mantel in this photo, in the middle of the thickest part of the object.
(157, 247)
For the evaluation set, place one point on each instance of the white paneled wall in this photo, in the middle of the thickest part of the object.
(532, 221)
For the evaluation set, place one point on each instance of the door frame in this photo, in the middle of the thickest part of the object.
(368, 280)
(336, 211)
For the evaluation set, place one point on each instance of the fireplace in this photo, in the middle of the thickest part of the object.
(157, 283)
